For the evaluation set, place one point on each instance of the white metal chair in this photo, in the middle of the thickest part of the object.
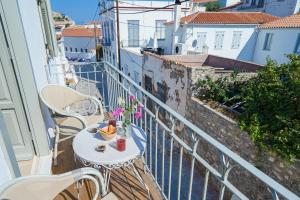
(73, 111)
(46, 187)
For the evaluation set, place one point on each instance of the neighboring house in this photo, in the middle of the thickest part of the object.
(30, 59)
(80, 42)
(140, 22)
(278, 38)
(132, 63)
(227, 34)
(280, 8)
(171, 78)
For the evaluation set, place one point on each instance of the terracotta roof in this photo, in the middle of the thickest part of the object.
(292, 21)
(207, 60)
(81, 32)
(204, 1)
(227, 18)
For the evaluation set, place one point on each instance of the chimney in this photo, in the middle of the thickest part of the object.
(176, 24)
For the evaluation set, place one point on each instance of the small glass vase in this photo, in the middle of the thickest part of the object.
(127, 131)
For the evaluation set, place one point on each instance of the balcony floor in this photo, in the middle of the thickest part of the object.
(123, 182)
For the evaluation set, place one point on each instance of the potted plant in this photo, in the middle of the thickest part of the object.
(124, 112)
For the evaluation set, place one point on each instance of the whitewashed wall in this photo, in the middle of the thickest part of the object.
(146, 20)
(278, 8)
(80, 43)
(132, 60)
(283, 42)
(244, 52)
(154, 68)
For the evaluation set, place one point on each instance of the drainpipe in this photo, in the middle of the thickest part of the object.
(176, 24)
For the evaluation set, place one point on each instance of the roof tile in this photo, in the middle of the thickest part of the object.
(81, 32)
(292, 21)
(228, 18)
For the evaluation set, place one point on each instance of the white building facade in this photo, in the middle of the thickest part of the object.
(139, 21)
(280, 8)
(213, 33)
(277, 39)
(80, 42)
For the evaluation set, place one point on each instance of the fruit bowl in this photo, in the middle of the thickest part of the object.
(108, 132)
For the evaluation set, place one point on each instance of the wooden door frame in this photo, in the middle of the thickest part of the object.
(18, 49)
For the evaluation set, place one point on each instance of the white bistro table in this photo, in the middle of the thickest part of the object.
(85, 142)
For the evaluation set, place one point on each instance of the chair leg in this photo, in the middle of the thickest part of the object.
(56, 144)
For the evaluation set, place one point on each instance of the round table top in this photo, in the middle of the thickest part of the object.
(84, 145)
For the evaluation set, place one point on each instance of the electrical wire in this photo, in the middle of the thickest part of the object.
(150, 10)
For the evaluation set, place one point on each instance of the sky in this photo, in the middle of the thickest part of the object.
(81, 11)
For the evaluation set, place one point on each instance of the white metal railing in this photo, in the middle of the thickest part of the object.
(174, 158)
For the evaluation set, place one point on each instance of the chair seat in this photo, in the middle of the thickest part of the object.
(110, 196)
(72, 125)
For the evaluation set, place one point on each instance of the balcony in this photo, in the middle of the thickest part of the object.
(176, 168)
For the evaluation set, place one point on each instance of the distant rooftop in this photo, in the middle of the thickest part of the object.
(227, 18)
(292, 21)
(80, 31)
(206, 60)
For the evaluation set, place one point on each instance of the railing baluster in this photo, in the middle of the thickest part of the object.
(179, 173)
(205, 184)
(195, 145)
(163, 162)
(150, 136)
(156, 135)
(171, 156)
(145, 128)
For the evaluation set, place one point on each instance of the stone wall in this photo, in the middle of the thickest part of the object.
(226, 131)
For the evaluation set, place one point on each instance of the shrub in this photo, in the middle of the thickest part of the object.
(272, 108)
(271, 104)
(212, 6)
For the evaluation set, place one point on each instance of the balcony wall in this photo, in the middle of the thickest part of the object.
(226, 131)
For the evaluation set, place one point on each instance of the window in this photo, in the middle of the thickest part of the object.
(260, 3)
(219, 40)
(201, 41)
(86, 50)
(126, 69)
(81, 50)
(133, 33)
(268, 41)
(236, 39)
(71, 49)
(160, 29)
(75, 49)
(297, 47)
(66, 48)
(112, 30)
(136, 77)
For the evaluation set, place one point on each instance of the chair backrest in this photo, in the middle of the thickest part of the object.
(58, 97)
(46, 187)
(36, 188)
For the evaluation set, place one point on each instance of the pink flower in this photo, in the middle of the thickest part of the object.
(131, 97)
(137, 115)
(139, 107)
(118, 112)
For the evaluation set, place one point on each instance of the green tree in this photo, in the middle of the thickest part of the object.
(212, 6)
(272, 108)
